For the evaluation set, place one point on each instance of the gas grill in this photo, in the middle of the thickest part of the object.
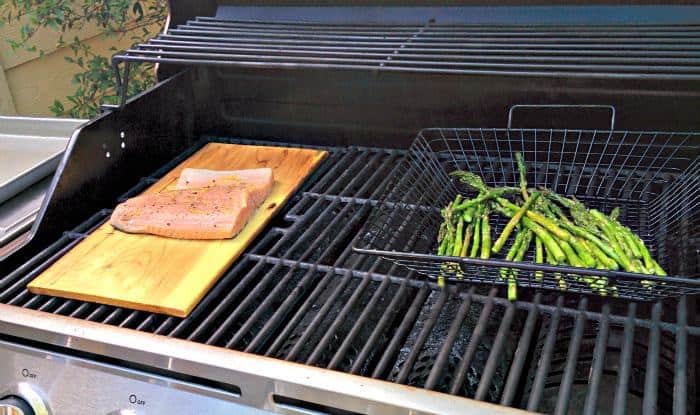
(302, 323)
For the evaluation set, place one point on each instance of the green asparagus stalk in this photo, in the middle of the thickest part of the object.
(609, 231)
(539, 256)
(467, 240)
(540, 219)
(485, 236)
(470, 179)
(603, 260)
(552, 261)
(512, 251)
(468, 215)
(571, 256)
(512, 279)
(547, 239)
(498, 245)
(597, 242)
(458, 237)
(615, 213)
(483, 197)
(477, 237)
(523, 175)
(583, 253)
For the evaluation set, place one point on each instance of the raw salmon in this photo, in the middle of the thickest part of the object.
(199, 211)
(260, 181)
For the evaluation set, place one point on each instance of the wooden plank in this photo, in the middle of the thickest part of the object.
(170, 276)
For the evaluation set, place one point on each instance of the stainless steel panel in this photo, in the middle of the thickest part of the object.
(30, 149)
(69, 385)
(18, 213)
(259, 378)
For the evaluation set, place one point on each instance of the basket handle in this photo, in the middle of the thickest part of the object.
(582, 106)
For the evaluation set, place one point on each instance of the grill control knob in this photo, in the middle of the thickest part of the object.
(13, 405)
(22, 399)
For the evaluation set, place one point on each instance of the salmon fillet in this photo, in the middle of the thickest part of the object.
(202, 212)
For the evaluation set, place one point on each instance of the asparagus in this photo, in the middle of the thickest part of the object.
(483, 197)
(512, 251)
(583, 253)
(552, 261)
(485, 236)
(477, 237)
(523, 173)
(458, 237)
(511, 224)
(467, 240)
(539, 257)
(512, 279)
(541, 232)
(541, 220)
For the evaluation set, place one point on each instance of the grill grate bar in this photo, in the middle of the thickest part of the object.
(389, 314)
(680, 387)
(572, 357)
(401, 332)
(598, 363)
(521, 353)
(422, 337)
(439, 366)
(545, 359)
(623, 378)
(495, 353)
(651, 380)
(474, 340)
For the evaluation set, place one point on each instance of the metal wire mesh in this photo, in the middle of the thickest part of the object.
(652, 177)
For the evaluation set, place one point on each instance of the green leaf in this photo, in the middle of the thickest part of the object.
(57, 107)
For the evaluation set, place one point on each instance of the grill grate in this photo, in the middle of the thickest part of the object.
(666, 52)
(301, 294)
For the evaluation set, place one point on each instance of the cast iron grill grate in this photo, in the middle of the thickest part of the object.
(334, 308)
(653, 177)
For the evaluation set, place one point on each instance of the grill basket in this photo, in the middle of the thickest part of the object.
(653, 177)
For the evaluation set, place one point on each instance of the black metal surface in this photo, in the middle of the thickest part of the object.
(652, 176)
(300, 293)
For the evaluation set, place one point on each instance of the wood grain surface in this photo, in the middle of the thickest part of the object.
(170, 276)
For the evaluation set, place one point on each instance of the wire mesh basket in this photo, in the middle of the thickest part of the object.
(653, 177)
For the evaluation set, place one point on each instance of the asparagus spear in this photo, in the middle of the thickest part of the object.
(523, 174)
(483, 197)
(547, 239)
(511, 224)
(539, 256)
(609, 231)
(512, 279)
(485, 235)
(583, 253)
(458, 237)
(571, 256)
(477, 236)
(552, 261)
(467, 240)
(597, 242)
(512, 251)
(543, 221)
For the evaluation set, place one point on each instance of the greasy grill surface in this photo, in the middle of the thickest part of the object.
(301, 294)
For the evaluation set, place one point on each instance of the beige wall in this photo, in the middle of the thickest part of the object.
(30, 83)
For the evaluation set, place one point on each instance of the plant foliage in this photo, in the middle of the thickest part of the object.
(94, 79)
